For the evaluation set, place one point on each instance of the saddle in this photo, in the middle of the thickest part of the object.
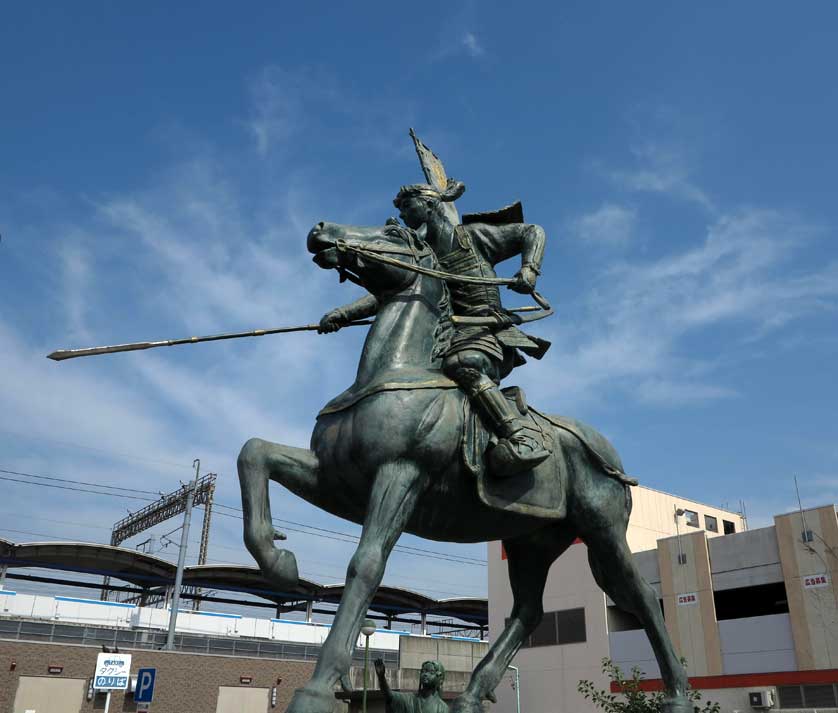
(540, 492)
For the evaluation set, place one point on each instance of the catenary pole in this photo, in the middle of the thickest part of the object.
(181, 559)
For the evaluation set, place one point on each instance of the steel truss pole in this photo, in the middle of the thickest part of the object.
(184, 541)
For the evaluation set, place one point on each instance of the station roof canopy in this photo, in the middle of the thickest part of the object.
(241, 578)
(147, 571)
(131, 566)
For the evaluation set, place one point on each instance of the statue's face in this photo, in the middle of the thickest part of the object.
(428, 677)
(414, 212)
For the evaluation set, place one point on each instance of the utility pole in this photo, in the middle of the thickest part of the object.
(184, 541)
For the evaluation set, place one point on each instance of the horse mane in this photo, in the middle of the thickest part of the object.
(444, 330)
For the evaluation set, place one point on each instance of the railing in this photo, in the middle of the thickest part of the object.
(22, 630)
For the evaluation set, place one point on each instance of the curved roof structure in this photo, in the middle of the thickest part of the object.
(129, 565)
(5, 547)
(242, 578)
(147, 571)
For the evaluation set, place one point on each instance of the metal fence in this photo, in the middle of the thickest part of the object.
(22, 630)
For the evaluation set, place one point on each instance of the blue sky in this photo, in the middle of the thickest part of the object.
(161, 166)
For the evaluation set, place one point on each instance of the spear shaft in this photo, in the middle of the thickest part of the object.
(63, 354)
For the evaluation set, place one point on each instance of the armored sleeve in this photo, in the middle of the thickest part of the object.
(501, 242)
(366, 306)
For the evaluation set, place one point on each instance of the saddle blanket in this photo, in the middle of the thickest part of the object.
(540, 492)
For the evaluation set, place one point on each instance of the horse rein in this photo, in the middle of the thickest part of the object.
(533, 314)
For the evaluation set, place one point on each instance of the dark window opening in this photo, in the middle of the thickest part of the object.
(790, 696)
(621, 620)
(558, 627)
(691, 517)
(711, 524)
(571, 625)
(819, 696)
(545, 633)
(761, 600)
(729, 527)
(807, 536)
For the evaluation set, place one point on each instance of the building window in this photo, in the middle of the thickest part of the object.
(819, 696)
(790, 696)
(808, 536)
(745, 602)
(816, 696)
(691, 518)
(571, 625)
(545, 632)
(711, 524)
(558, 627)
(729, 527)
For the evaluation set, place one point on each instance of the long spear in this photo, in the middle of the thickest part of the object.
(62, 354)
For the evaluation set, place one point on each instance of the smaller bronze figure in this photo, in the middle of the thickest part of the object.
(426, 700)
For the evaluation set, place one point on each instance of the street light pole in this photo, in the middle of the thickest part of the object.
(517, 688)
(368, 629)
(678, 513)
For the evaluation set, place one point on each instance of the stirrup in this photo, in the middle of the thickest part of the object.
(508, 457)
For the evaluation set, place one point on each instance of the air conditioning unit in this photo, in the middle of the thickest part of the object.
(761, 699)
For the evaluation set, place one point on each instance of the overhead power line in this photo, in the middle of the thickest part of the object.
(80, 482)
(311, 530)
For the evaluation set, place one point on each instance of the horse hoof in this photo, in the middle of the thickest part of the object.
(307, 700)
(282, 573)
(677, 705)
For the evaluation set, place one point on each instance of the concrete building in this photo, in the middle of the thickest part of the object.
(579, 620)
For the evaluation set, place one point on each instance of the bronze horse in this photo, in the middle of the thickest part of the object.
(386, 454)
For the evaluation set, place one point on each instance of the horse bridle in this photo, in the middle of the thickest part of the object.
(530, 314)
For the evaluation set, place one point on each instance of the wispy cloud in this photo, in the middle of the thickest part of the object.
(472, 45)
(661, 167)
(610, 225)
(631, 332)
(286, 104)
(277, 101)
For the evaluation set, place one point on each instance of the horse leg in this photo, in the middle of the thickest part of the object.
(294, 468)
(393, 498)
(613, 568)
(530, 557)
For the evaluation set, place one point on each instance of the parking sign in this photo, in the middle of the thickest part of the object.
(144, 692)
(112, 672)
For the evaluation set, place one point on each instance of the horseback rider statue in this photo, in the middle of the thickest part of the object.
(480, 356)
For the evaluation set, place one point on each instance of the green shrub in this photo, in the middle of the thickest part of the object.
(631, 697)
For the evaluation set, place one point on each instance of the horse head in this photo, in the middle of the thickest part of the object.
(388, 261)
(352, 250)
